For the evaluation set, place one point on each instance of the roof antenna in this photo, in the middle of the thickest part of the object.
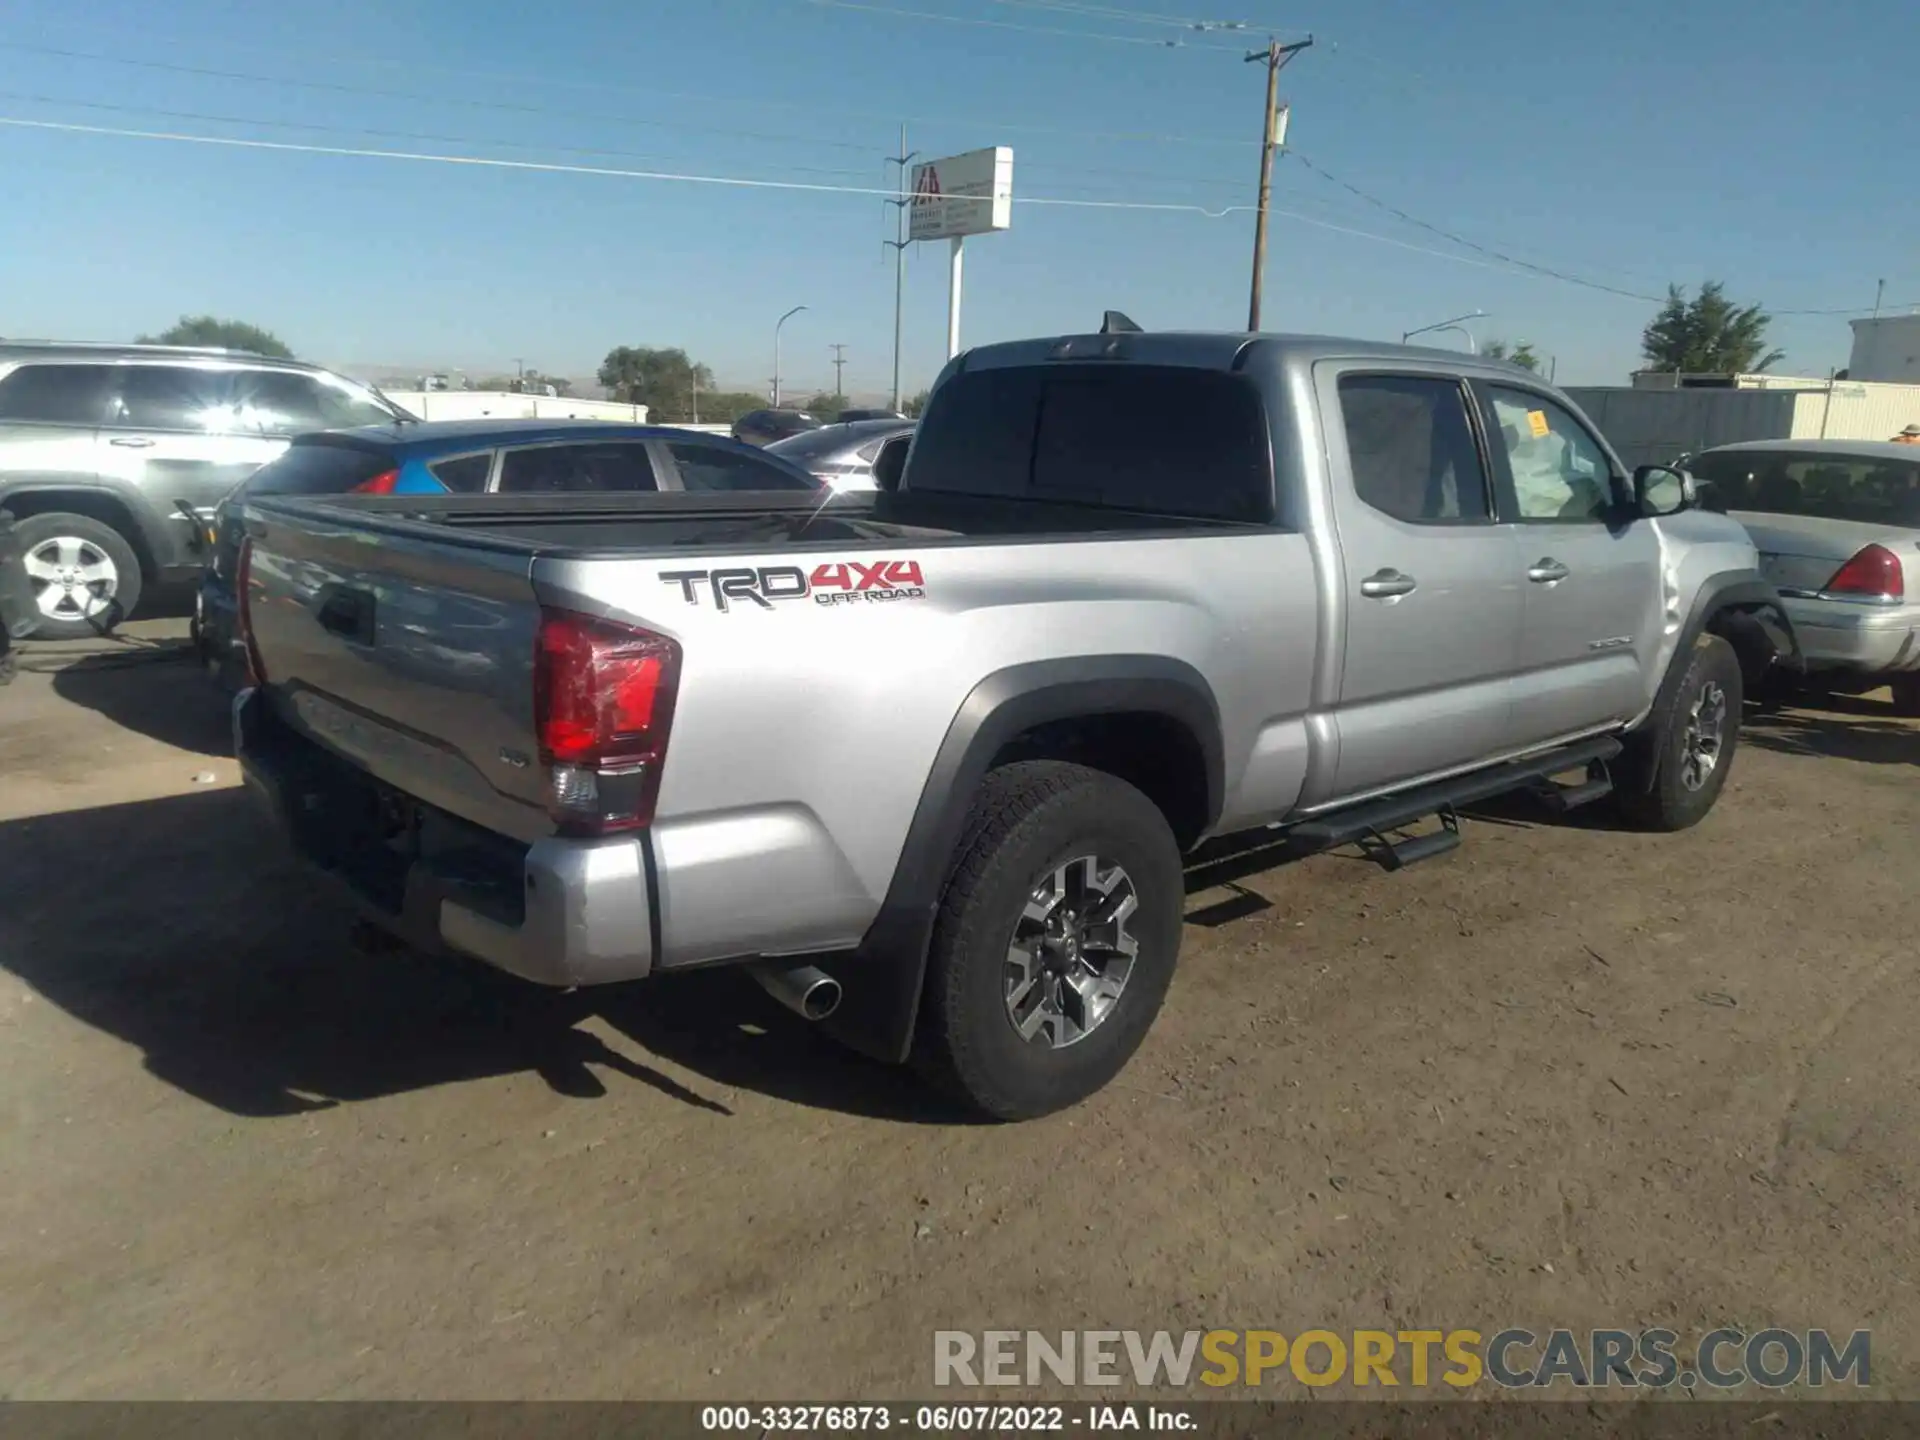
(1114, 323)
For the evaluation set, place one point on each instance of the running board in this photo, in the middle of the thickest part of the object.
(1368, 822)
(1562, 798)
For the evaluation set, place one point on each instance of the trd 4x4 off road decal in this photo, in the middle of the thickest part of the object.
(851, 582)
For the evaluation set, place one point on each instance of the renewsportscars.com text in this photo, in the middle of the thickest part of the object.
(1513, 1358)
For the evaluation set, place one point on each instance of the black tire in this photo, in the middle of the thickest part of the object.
(1906, 696)
(90, 534)
(1027, 823)
(1681, 794)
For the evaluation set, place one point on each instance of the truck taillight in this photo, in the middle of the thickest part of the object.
(243, 613)
(381, 484)
(603, 697)
(1874, 572)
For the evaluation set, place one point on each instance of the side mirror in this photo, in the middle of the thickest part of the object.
(1662, 490)
(890, 464)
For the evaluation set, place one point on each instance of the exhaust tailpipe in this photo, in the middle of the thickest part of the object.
(808, 991)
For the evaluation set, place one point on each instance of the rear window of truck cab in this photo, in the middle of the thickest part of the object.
(1159, 439)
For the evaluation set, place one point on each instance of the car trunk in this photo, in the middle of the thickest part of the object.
(1800, 552)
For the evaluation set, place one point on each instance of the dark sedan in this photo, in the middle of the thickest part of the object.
(473, 457)
(763, 427)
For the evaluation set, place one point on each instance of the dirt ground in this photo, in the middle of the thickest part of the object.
(1564, 1076)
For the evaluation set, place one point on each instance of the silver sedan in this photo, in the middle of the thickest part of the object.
(1837, 524)
(842, 456)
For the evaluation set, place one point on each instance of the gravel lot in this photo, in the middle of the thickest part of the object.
(1564, 1076)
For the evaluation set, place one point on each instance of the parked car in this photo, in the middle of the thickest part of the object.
(763, 427)
(927, 761)
(842, 456)
(113, 457)
(1837, 524)
(18, 612)
(473, 457)
(847, 417)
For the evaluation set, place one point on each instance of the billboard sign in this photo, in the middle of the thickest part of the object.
(968, 194)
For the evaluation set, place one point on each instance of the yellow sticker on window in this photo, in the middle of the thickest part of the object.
(1537, 422)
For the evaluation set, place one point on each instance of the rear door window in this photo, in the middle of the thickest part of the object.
(319, 470)
(464, 474)
(174, 397)
(55, 394)
(708, 467)
(591, 469)
(1150, 438)
(1411, 449)
(285, 402)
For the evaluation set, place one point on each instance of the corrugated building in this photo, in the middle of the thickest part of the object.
(1654, 426)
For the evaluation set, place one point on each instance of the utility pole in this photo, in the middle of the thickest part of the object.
(1273, 137)
(899, 244)
(839, 361)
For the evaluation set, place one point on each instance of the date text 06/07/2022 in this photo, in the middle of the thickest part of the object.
(947, 1419)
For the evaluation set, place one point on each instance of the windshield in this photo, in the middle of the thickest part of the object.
(1823, 487)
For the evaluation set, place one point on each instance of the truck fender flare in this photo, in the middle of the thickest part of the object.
(884, 975)
(1729, 592)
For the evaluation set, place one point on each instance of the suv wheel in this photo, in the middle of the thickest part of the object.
(1055, 942)
(85, 577)
(1692, 742)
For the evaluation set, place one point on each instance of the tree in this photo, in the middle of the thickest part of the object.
(1522, 354)
(227, 334)
(825, 408)
(1708, 335)
(916, 405)
(662, 380)
(723, 407)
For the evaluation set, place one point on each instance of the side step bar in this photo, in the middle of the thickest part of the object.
(1367, 823)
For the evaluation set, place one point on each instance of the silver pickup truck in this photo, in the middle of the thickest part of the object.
(932, 761)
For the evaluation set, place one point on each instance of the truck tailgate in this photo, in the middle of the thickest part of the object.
(410, 656)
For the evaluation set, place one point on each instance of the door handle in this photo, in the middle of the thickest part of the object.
(1548, 572)
(1386, 585)
(131, 442)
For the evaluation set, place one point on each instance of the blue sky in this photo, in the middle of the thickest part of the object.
(1629, 144)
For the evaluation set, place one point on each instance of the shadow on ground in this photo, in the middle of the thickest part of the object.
(177, 926)
(156, 689)
(1845, 727)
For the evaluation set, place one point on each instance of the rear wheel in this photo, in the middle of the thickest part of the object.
(1692, 742)
(85, 577)
(1055, 942)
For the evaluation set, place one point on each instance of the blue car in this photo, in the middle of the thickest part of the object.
(473, 457)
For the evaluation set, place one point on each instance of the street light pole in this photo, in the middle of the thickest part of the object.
(776, 351)
(1454, 324)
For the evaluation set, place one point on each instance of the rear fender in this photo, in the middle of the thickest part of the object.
(883, 977)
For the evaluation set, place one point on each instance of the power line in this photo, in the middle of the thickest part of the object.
(1009, 25)
(1549, 271)
(1127, 17)
(380, 134)
(336, 87)
(997, 123)
(1473, 245)
(750, 183)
